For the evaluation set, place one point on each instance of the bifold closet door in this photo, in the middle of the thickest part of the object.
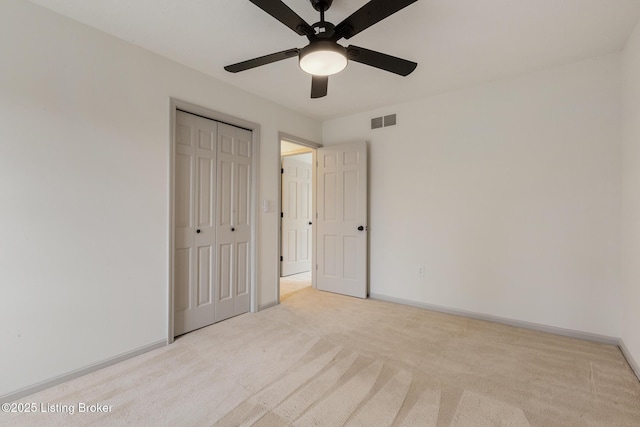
(233, 221)
(195, 234)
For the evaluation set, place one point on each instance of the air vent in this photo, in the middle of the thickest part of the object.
(390, 120)
(385, 121)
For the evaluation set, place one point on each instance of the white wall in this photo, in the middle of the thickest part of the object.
(507, 193)
(84, 182)
(631, 195)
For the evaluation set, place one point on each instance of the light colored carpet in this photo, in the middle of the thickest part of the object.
(328, 360)
(292, 284)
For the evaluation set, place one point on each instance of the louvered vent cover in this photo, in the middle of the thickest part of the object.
(390, 120)
(378, 122)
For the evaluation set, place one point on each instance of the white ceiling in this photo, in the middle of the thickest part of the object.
(456, 43)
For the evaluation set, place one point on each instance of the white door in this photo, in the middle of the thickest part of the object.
(194, 257)
(342, 219)
(296, 216)
(233, 221)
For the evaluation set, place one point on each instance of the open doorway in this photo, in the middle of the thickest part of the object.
(297, 191)
(339, 231)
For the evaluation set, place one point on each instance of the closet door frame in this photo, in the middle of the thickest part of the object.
(176, 104)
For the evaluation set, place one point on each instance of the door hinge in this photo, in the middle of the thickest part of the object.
(282, 170)
(281, 214)
(281, 259)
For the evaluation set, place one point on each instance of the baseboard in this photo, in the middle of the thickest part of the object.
(630, 360)
(80, 372)
(503, 320)
(268, 305)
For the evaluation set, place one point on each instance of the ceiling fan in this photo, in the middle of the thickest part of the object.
(323, 56)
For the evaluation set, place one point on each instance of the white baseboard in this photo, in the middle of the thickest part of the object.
(511, 322)
(464, 313)
(521, 324)
(630, 360)
(79, 372)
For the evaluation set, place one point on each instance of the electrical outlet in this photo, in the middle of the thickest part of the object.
(421, 271)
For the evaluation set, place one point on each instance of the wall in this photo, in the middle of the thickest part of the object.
(84, 184)
(631, 197)
(507, 193)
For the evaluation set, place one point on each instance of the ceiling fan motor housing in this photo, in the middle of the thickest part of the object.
(324, 30)
(321, 5)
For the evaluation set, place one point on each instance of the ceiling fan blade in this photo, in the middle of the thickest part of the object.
(369, 14)
(319, 86)
(381, 60)
(284, 14)
(263, 60)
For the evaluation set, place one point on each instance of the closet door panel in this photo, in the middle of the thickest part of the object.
(233, 229)
(194, 210)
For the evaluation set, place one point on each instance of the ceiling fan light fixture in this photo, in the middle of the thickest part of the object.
(323, 58)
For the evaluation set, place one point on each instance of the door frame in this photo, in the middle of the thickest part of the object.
(282, 136)
(187, 107)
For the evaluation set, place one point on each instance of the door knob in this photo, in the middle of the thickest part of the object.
(233, 229)
(198, 231)
(310, 223)
(360, 228)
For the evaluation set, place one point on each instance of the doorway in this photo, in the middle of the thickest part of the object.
(339, 249)
(296, 201)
